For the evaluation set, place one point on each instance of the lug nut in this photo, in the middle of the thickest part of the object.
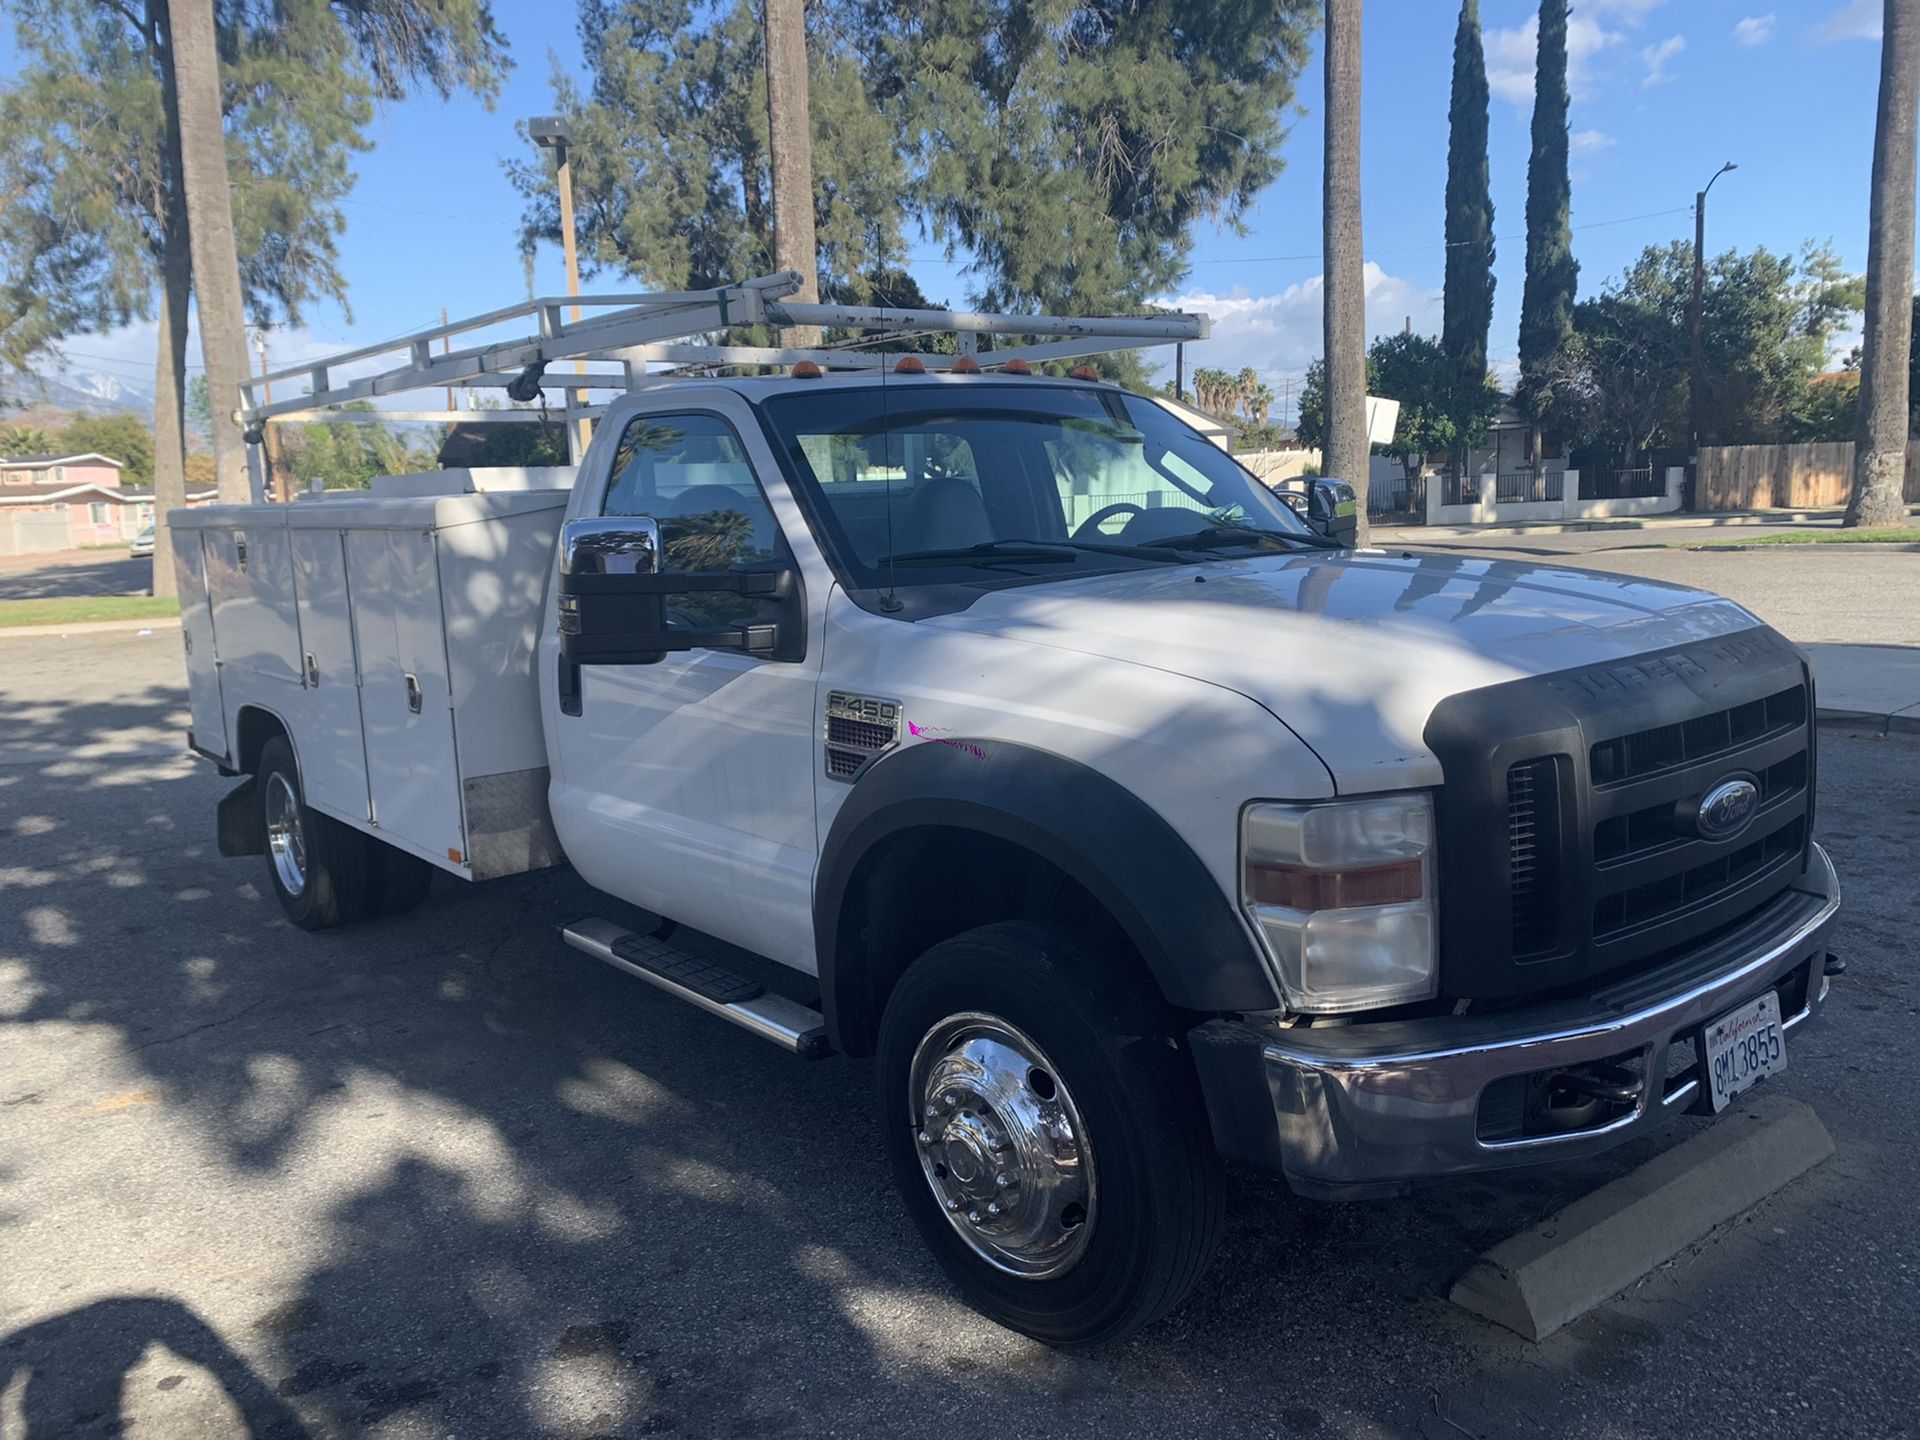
(973, 1217)
(1004, 1181)
(953, 1204)
(925, 1138)
(950, 1099)
(932, 1110)
(996, 1143)
(993, 1207)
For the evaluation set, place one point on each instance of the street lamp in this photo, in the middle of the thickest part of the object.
(551, 132)
(1699, 290)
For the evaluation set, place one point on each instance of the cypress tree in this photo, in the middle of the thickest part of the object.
(1468, 306)
(1546, 301)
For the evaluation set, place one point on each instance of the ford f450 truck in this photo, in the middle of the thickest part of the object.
(1129, 820)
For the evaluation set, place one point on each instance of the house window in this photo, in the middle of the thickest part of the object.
(98, 512)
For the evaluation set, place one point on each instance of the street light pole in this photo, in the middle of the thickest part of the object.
(1699, 293)
(552, 133)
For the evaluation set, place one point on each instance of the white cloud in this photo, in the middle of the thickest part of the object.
(1754, 30)
(1856, 20)
(1659, 57)
(1591, 142)
(1513, 52)
(1279, 335)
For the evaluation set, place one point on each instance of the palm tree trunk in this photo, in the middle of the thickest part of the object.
(790, 140)
(1345, 314)
(216, 264)
(1880, 448)
(170, 361)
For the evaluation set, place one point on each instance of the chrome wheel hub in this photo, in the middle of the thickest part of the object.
(286, 838)
(1002, 1145)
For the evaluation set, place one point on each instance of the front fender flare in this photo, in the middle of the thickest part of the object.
(1092, 828)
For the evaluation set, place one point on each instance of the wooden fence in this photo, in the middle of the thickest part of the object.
(1790, 477)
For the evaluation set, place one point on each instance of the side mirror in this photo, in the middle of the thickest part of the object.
(1333, 511)
(617, 604)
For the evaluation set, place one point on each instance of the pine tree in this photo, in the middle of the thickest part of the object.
(1468, 304)
(1546, 301)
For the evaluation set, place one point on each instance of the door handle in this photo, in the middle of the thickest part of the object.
(413, 692)
(313, 671)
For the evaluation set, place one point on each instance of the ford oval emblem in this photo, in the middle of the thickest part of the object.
(1727, 808)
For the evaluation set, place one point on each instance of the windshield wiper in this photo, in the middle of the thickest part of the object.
(1222, 535)
(1038, 552)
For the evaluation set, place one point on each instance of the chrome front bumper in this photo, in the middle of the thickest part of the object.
(1350, 1111)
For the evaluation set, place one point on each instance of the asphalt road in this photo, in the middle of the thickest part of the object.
(75, 572)
(441, 1176)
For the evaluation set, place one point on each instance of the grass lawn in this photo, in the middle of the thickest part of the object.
(81, 608)
(1909, 536)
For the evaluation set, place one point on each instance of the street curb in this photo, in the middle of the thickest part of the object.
(1551, 1275)
(93, 627)
(1901, 722)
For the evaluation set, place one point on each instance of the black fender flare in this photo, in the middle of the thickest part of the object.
(1092, 828)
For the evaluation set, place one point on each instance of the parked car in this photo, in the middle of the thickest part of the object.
(141, 544)
(1128, 819)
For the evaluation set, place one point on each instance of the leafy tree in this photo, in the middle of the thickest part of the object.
(1066, 147)
(1829, 410)
(348, 455)
(1767, 328)
(1468, 302)
(121, 436)
(1437, 411)
(1546, 302)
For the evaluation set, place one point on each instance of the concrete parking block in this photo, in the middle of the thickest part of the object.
(1549, 1276)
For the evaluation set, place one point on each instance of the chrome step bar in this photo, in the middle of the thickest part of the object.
(787, 1023)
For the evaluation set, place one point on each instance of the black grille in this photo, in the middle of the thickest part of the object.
(1569, 844)
(1533, 841)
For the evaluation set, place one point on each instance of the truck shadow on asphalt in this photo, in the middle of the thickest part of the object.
(114, 572)
(439, 1175)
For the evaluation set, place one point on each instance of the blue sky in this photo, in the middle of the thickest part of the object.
(1664, 91)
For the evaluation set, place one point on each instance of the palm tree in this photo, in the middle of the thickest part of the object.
(216, 263)
(790, 139)
(1345, 313)
(1880, 449)
(24, 440)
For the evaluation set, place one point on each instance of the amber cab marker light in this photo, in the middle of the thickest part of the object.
(1016, 367)
(1084, 372)
(966, 365)
(909, 365)
(806, 370)
(1298, 888)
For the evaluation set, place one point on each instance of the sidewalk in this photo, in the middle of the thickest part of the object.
(1875, 686)
(1412, 534)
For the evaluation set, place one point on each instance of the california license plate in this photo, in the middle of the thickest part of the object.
(1743, 1047)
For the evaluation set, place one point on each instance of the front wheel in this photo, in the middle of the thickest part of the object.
(1047, 1133)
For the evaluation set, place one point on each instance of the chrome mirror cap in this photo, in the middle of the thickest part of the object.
(610, 545)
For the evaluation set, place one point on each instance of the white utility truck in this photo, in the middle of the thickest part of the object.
(1132, 821)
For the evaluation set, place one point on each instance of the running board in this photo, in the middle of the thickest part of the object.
(715, 989)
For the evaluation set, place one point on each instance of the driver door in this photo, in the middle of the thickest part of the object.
(686, 785)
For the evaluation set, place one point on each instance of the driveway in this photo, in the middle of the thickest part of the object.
(64, 573)
(441, 1176)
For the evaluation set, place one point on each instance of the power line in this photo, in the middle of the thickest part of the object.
(1443, 245)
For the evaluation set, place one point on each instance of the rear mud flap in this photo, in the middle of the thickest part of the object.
(243, 830)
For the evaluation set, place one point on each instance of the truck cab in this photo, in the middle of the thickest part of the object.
(1131, 823)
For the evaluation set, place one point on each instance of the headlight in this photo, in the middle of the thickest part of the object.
(1341, 893)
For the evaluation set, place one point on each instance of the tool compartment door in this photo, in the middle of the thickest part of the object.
(208, 717)
(406, 704)
(333, 753)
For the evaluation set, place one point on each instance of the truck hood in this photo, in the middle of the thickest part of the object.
(1353, 651)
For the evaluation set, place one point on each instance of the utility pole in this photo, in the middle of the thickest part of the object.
(790, 138)
(550, 132)
(1180, 371)
(1699, 298)
(446, 348)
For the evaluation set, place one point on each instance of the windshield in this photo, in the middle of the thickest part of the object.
(927, 483)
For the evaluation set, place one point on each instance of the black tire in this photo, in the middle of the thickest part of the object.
(332, 865)
(396, 881)
(1119, 1050)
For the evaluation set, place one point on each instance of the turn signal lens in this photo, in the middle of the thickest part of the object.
(806, 370)
(1084, 372)
(966, 365)
(1341, 895)
(910, 365)
(1016, 367)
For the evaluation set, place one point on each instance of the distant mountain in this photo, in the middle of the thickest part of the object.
(87, 392)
